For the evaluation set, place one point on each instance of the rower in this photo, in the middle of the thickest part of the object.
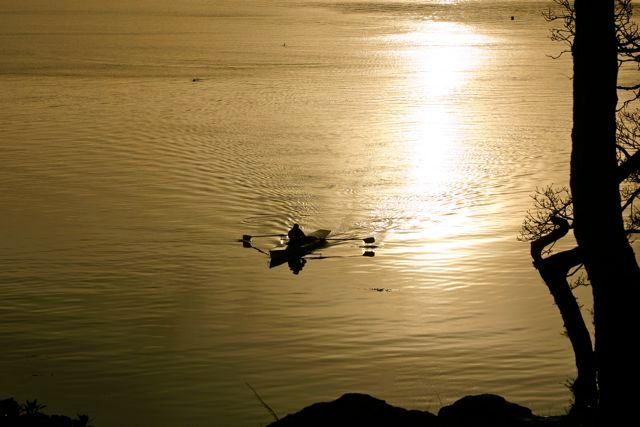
(296, 235)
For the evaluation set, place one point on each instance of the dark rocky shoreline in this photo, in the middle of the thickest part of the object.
(355, 409)
(13, 414)
(351, 409)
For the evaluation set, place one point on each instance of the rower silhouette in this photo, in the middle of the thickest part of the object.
(296, 235)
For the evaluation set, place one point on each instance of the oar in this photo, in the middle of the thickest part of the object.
(366, 239)
(367, 254)
(247, 244)
(246, 237)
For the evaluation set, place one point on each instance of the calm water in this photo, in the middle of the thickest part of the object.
(125, 186)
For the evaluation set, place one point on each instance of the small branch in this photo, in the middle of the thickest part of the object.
(538, 245)
(634, 87)
(575, 270)
(631, 199)
(629, 167)
(271, 411)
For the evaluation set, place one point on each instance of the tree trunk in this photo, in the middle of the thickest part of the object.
(554, 270)
(598, 225)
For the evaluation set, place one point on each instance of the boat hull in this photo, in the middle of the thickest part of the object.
(313, 241)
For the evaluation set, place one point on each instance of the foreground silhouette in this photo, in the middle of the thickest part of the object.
(355, 409)
(13, 414)
(600, 208)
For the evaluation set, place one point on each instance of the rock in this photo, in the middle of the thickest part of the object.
(9, 411)
(486, 410)
(12, 414)
(354, 409)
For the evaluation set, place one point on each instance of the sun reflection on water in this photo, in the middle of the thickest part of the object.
(430, 143)
(440, 55)
(438, 58)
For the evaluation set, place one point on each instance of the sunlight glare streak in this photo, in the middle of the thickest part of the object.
(439, 58)
(440, 55)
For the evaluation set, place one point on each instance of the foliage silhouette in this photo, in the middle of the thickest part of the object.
(601, 207)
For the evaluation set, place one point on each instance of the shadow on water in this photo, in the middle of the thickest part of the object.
(297, 261)
(296, 264)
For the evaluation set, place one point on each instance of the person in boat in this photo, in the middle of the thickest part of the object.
(296, 235)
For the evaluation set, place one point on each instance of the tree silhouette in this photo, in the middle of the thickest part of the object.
(601, 206)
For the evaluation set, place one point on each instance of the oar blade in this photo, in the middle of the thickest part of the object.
(369, 240)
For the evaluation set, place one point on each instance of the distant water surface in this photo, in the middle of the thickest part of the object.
(141, 140)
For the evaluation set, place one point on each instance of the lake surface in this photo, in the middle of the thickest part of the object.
(140, 140)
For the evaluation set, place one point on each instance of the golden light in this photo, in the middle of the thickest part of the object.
(438, 60)
(439, 57)
(429, 143)
(440, 54)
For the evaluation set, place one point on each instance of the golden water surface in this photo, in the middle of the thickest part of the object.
(140, 140)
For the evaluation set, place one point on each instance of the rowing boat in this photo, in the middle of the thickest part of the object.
(312, 241)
